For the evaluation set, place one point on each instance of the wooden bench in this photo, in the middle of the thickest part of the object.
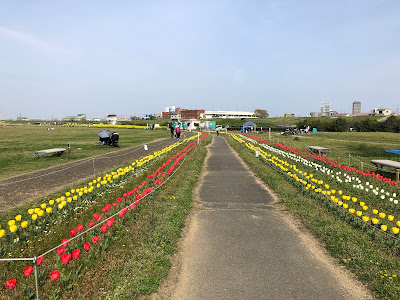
(380, 163)
(318, 149)
(58, 151)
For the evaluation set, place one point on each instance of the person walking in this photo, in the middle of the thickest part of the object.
(172, 131)
(178, 132)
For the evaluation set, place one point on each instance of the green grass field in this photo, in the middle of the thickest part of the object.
(19, 143)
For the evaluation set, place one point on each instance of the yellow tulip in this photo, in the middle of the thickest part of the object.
(345, 205)
(365, 218)
(62, 198)
(395, 230)
(34, 217)
(37, 209)
(69, 199)
(352, 210)
(340, 192)
(11, 222)
(75, 197)
(72, 191)
(43, 206)
(340, 203)
(354, 199)
(398, 223)
(67, 194)
(48, 210)
(359, 213)
(18, 218)
(24, 224)
(362, 203)
(2, 233)
(13, 228)
(383, 227)
(375, 221)
(40, 213)
(51, 202)
(382, 215)
(60, 206)
(365, 207)
(98, 185)
(80, 193)
(31, 211)
(375, 211)
(333, 191)
(390, 217)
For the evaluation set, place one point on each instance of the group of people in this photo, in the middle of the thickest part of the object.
(175, 132)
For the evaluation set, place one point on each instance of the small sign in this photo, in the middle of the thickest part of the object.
(256, 153)
(145, 147)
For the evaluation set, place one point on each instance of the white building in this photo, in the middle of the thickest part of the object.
(112, 119)
(228, 114)
(382, 111)
(325, 107)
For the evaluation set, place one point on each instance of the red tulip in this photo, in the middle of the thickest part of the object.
(28, 271)
(76, 253)
(96, 216)
(132, 205)
(121, 213)
(79, 227)
(108, 206)
(72, 232)
(60, 251)
(66, 258)
(64, 243)
(10, 284)
(104, 210)
(39, 260)
(54, 275)
(109, 223)
(86, 246)
(95, 239)
(114, 204)
(91, 223)
(119, 200)
(104, 228)
(125, 195)
(100, 218)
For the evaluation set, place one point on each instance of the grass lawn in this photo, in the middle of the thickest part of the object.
(19, 143)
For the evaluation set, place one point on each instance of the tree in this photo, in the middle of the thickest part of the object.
(261, 113)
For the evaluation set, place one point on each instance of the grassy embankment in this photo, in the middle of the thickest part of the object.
(129, 262)
(19, 143)
(371, 260)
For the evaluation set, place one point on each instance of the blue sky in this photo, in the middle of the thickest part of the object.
(135, 57)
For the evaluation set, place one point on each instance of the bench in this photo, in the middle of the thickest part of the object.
(380, 163)
(318, 149)
(58, 151)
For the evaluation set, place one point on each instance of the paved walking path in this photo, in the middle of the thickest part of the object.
(240, 247)
(20, 189)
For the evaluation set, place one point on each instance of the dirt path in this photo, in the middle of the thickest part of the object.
(239, 243)
(17, 190)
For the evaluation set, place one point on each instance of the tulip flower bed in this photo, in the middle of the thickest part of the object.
(81, 237)
(349, 192)
(113, 126)
(358, 226)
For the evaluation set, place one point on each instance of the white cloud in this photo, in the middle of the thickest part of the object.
(31, 40)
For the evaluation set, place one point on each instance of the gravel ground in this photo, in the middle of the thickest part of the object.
(18, 190)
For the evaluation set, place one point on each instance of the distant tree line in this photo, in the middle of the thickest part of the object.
(391, 124)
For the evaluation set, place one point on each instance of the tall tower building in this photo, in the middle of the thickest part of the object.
(325, 107)
(356, 107)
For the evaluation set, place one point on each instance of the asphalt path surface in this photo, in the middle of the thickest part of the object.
(17, 190)
(240, 247)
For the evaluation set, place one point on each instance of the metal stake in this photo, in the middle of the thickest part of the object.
(152, 209)
(36, 277)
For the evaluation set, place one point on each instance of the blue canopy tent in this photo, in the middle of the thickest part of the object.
(248, 124)
(393, 151)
